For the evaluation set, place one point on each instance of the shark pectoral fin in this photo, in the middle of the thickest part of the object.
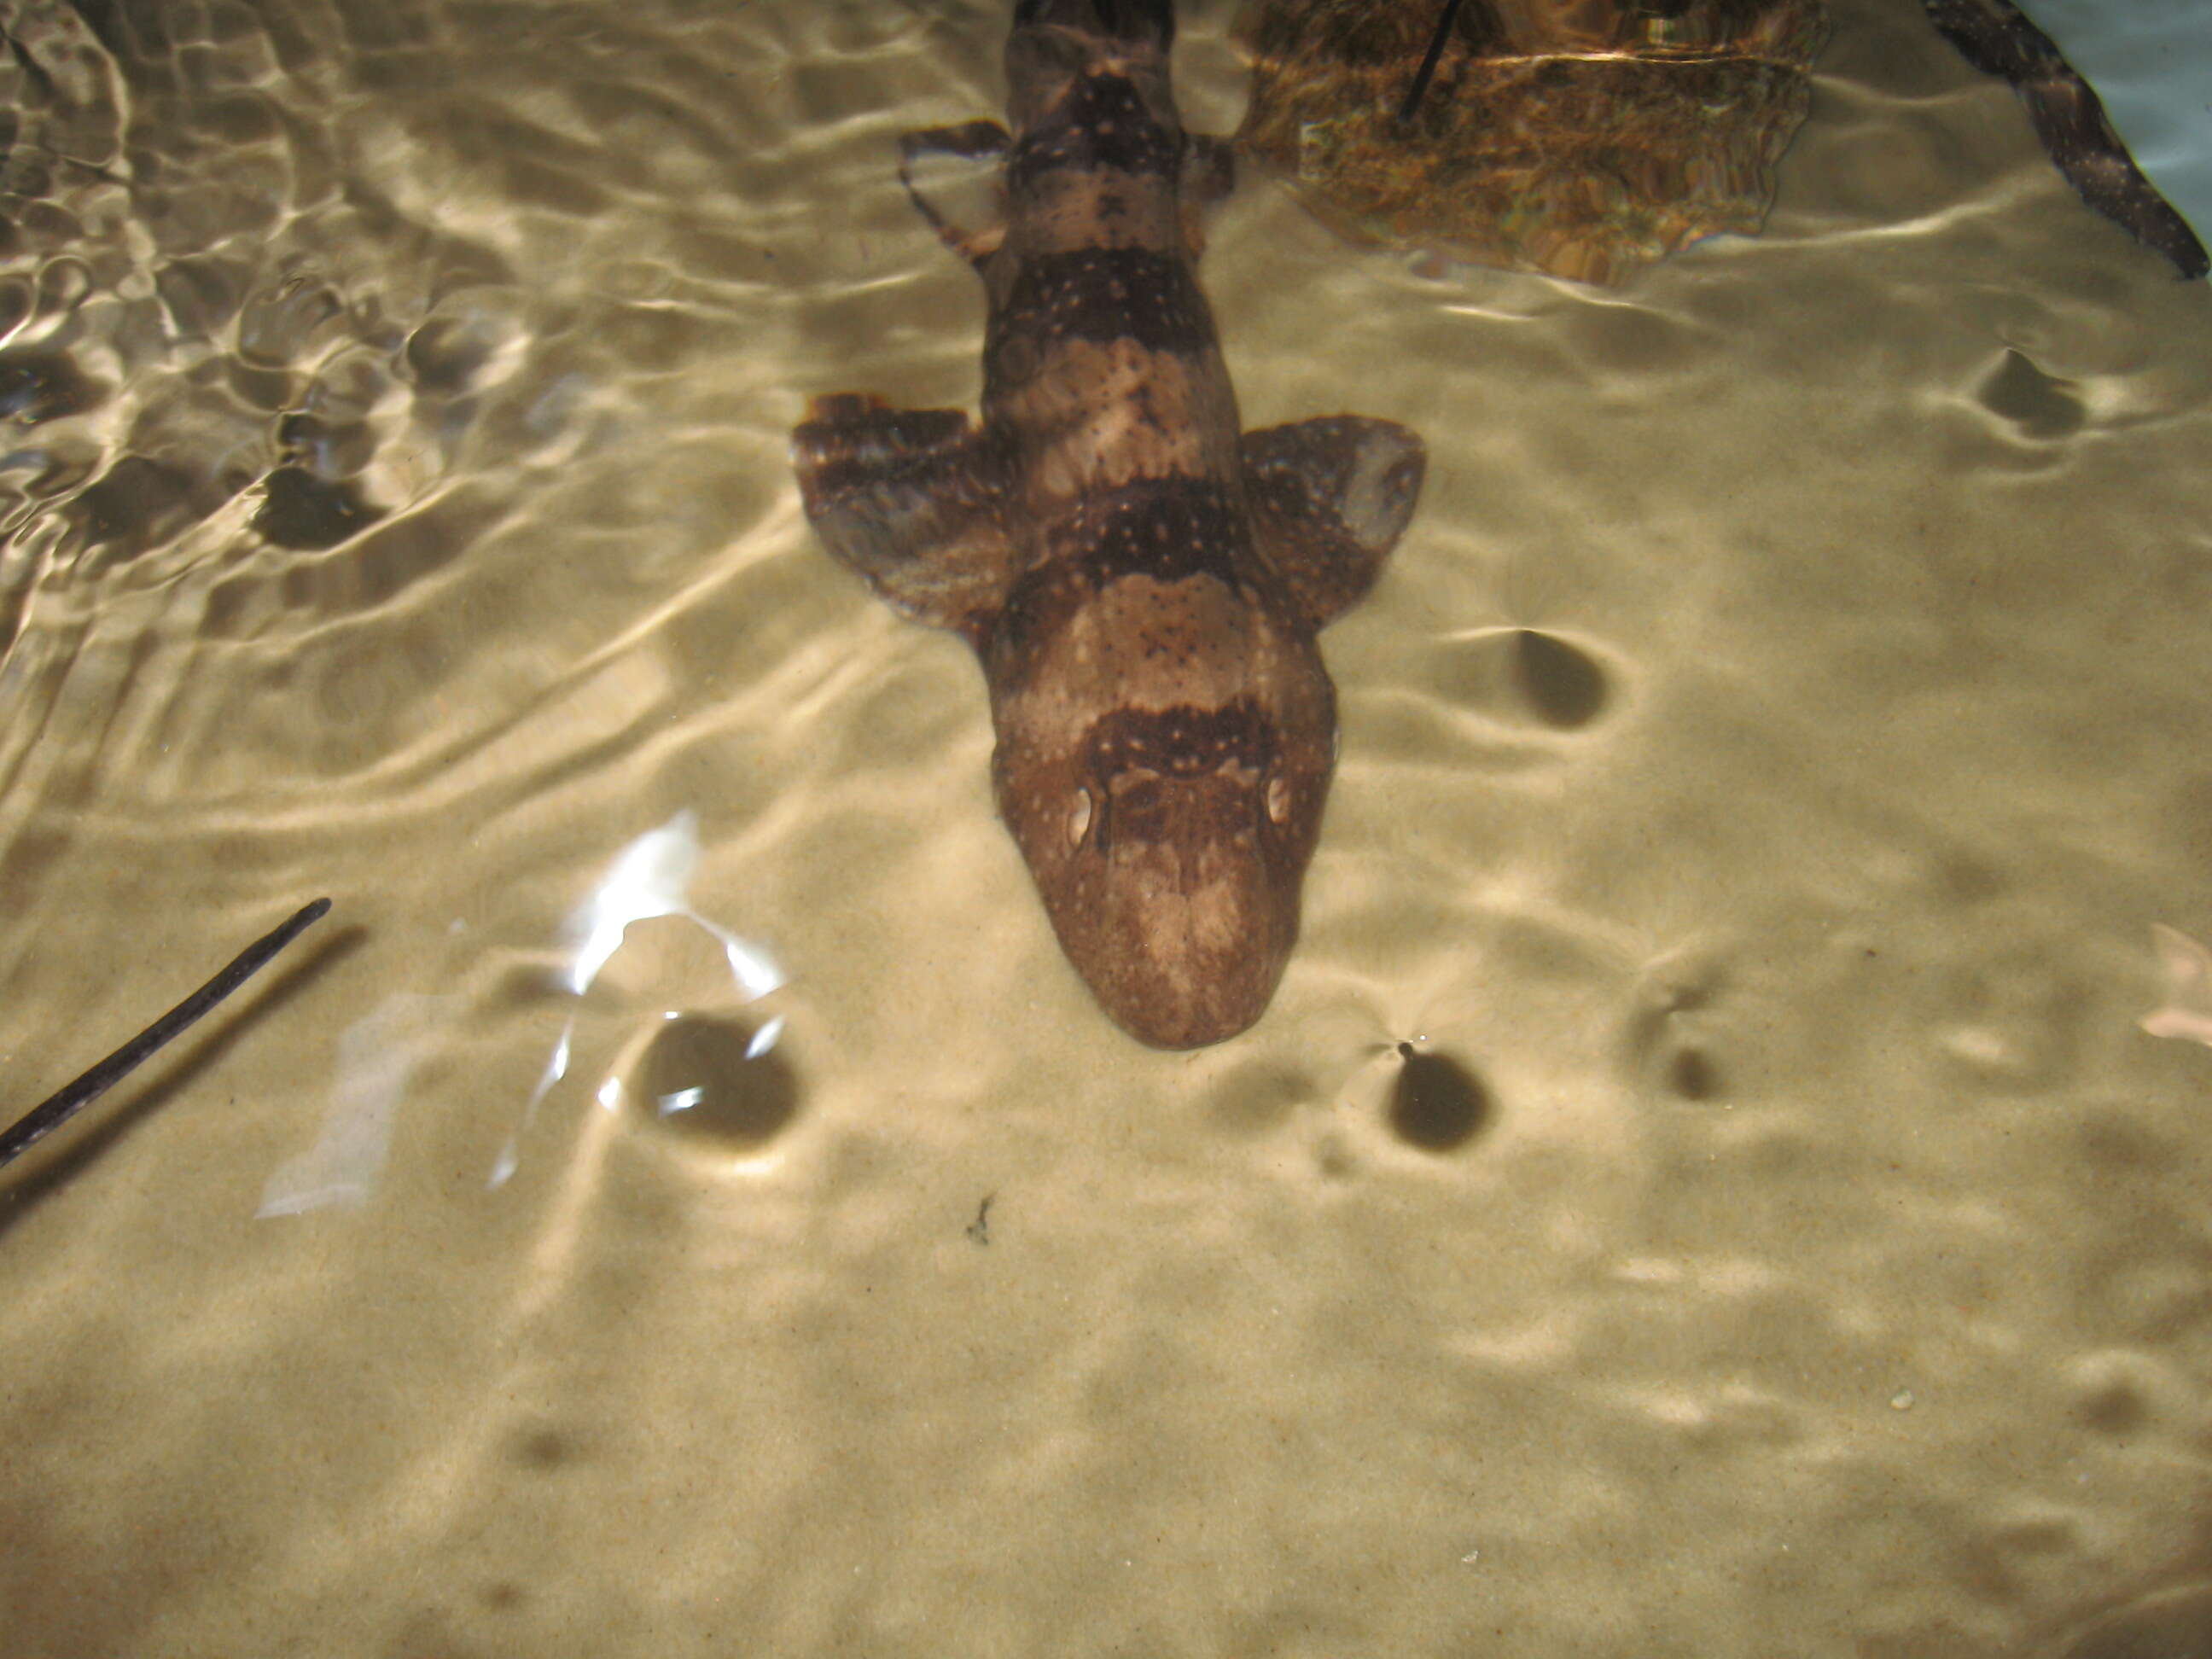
(907, 497)
(1330, 497)
(954, 178)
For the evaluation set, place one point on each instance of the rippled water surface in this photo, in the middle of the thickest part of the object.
(1702, 1189)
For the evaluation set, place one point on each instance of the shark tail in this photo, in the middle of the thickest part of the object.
(1150, 21)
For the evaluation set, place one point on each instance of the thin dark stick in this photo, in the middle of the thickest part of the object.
(1429, 63)
(74, 1098)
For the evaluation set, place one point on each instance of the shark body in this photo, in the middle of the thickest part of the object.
(1141, 581)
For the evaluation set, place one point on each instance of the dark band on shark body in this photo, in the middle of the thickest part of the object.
(1170, 529)
(1102, 294)
(1105, 126)
(1130, 754)
(1164, 528)
(1183, 741)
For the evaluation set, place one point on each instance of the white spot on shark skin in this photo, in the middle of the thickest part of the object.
(377, 1055)
(2187, 1011)
(650, 877)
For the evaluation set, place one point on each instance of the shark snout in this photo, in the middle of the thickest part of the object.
(1183, 970)
(1185, 923)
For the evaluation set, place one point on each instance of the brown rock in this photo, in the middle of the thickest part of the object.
(1581, 137)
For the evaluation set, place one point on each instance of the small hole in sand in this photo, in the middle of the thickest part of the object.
(716, 1078)
(1436, 1104)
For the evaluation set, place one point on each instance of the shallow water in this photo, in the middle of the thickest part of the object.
(1763, 765)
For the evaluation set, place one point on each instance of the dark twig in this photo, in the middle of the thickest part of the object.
(74, 1098)
(1428, 68)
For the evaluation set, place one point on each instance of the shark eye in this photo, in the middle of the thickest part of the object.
(1078, 818)
(1278, 800)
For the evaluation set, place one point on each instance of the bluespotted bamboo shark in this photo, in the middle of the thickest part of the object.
(1142, 585)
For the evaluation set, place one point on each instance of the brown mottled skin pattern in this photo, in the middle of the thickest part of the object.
(1142, 584)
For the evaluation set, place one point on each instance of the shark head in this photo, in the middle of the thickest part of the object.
(1169, 847)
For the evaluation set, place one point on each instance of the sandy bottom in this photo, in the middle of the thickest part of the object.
(1764, 764)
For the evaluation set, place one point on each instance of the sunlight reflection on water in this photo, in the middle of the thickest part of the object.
(651, 877)
(1761, 763)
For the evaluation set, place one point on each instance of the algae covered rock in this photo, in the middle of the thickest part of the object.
(1580, 137)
